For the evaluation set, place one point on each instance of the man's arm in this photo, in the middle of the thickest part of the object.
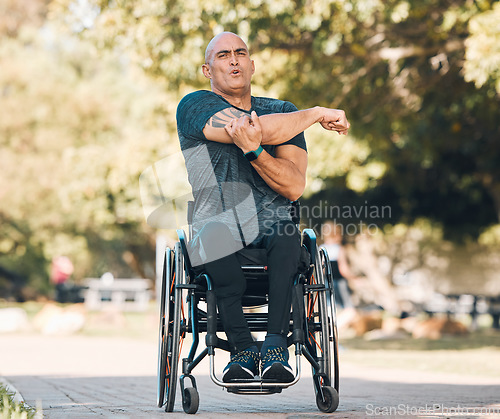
(278, 128)
(285, 173)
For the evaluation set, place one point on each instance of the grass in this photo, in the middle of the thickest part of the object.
(135, 325)
(484, 362)
(486, 337)
(9, 409)
(477, 353)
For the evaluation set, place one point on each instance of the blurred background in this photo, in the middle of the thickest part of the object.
(88, 93)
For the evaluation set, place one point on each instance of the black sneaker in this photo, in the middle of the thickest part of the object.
(275, 365)
(243, 366)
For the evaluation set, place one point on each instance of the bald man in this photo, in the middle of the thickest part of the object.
(246, 158)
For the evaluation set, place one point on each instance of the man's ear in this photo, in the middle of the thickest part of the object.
(253, 66)
(206, 71)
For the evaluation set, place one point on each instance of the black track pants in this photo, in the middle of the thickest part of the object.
(282, 243)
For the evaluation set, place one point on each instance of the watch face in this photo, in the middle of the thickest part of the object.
(251, 155)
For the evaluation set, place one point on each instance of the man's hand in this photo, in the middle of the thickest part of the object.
(285, 173)
(246, 132)
(335, 120)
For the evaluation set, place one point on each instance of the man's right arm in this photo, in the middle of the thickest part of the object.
(214, 129)
(278, 128)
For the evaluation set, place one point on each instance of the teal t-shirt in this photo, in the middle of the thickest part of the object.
(226, 188)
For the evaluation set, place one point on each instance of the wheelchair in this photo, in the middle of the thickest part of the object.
(313, 331)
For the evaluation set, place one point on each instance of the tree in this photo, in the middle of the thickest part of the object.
(73, 131)
(397, 67)
(418, 79)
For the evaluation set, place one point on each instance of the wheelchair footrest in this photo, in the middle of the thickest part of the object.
(249, 391)
(255, 385)
(257, 379)
(315, 287)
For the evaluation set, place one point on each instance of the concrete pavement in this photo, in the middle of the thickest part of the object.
(84, 377)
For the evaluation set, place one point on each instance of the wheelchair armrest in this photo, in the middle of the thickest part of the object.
(187, 262)
(309, 241)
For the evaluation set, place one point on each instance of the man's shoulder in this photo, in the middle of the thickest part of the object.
(198, 95)
(273, 105)
(199, 104)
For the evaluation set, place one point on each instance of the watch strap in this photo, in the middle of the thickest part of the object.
(252, 155)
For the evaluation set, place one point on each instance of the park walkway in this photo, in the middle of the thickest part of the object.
(85, 377)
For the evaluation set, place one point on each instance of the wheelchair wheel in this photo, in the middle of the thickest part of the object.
(190, 400)
(162, 342)
(321, 338)
(330, 400)
(331, 318)
(170, 338)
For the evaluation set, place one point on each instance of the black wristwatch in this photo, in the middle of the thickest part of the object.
(252, 155)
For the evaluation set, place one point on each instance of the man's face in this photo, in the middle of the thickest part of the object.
(229, 66)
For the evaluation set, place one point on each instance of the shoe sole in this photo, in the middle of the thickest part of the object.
(237, 372)
(278, 372)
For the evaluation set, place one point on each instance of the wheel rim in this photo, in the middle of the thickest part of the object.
(331, 320)
(162, 356)
(187, 399)
(323, 404)
(174, 315)
(320, 321)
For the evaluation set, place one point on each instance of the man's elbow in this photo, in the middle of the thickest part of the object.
(294, 192)
(275, 139)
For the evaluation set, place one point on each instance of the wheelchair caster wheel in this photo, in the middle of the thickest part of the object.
(190, 400)
(330, 402)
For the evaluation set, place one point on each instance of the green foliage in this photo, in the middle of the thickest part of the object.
(80, 122)
(9, 409)
(77, 129)
(397, 68)
(483, 48)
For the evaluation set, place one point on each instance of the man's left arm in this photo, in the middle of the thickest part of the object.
(285, 173)
(277, 128)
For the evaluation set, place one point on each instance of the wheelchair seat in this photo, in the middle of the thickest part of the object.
(254, 265)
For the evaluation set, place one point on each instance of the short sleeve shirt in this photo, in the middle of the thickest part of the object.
(226, 188)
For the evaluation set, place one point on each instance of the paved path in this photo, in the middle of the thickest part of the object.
(82, 377)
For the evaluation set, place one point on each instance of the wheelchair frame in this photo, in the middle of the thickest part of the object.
(313, 328)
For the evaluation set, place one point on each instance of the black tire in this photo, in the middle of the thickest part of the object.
(162, 341)
(330, 402)
(170, 337)
(332, 320)
(321, 328)
(190, 400)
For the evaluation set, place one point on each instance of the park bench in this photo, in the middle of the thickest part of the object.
(474, 305)
(131, 294)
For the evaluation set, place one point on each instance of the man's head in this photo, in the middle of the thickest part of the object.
(228, 65)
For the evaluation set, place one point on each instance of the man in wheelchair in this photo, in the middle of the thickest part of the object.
(246, 159)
